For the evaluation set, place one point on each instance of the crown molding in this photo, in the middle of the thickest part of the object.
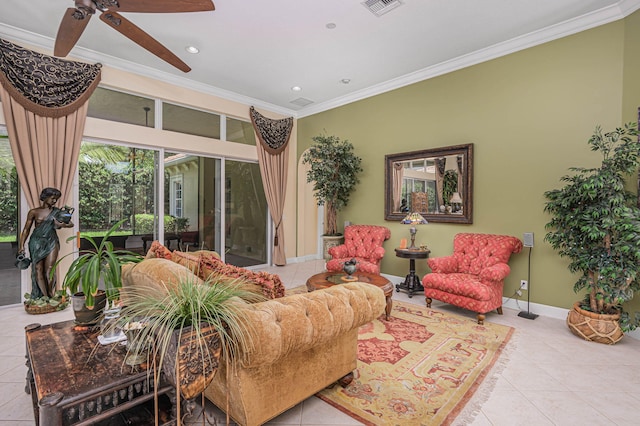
(38, 41)
(590, 20)
(573, 26)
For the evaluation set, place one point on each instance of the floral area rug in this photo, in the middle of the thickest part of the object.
(420, 368)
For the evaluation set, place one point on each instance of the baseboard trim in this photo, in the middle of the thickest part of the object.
(536, 308)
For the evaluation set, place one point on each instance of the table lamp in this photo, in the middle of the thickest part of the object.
(413, 219)
(456, 200)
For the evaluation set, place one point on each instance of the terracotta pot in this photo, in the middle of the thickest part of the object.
(594, 327)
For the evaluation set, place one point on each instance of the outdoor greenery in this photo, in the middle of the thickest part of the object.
(8, 191)
(9, 209)
(596, 224)
(144, 223)
(334, 173)
(110, 179)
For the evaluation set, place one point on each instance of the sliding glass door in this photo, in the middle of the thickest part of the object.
(245, 215)
(192, 201)
(10, 292)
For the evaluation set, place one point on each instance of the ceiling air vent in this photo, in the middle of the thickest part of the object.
(301, 102)
(380, 7)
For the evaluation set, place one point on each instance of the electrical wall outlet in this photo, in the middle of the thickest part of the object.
(524, 284)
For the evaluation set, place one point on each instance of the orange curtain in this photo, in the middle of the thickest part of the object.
(273, 153)
(44, 100)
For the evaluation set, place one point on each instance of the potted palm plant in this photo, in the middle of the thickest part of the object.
(101, 263)
(188, 327)
(334, 169)
(596, 225)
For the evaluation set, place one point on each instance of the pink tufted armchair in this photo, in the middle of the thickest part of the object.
(473, 276)
(362, 242)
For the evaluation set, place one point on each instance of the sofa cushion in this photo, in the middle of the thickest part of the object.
(207, 253)
(157, 250)
(152, 276)
(190, 260)
(270, 284)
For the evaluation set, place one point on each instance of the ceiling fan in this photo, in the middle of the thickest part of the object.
(76, 19)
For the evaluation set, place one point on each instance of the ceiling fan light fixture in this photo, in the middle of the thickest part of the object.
(192, 49)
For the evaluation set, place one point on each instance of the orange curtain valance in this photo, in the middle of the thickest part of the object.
(45, 85)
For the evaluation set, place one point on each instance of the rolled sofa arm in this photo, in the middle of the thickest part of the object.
(303, 321)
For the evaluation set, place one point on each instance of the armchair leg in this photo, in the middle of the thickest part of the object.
(500, 310)
(481, 319)
(428, 300)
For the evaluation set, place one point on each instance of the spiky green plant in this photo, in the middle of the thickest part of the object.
(101, 262)
(596, 224)
(189, 303)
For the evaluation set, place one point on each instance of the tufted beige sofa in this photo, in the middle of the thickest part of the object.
(301, 343)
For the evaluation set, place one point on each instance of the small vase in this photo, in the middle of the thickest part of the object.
(349, 267)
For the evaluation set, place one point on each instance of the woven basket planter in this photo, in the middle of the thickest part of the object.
(594, 327)
(39, 309)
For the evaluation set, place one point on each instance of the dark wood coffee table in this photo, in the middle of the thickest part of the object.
(73, 380)
(329, 279)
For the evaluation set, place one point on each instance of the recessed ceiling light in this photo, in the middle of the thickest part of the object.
(345, 81)
(331, 26)
(296, 88)
(192, 49)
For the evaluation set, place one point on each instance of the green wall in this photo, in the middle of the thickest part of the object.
(529, 115)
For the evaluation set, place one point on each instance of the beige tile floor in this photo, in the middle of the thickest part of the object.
(549, 376)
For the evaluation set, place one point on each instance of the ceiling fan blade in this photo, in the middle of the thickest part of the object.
(164, 6)
(137, 35)
(71, 27)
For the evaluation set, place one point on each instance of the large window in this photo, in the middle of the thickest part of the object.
(10, 292)
(191, 121)
(240, 131)
(118, 183)
(113, 105)
(139, 185)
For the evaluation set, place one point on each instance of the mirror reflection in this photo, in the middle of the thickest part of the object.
(435, 183)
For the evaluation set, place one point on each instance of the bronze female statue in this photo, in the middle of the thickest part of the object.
(44, 244)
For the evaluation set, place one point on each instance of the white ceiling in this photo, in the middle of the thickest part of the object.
(254, 51)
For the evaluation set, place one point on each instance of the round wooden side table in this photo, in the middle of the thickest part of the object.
(412, 282)
(328, 279)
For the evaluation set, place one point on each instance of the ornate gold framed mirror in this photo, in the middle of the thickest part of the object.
(437, 183)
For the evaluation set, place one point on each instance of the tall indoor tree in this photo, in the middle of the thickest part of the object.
(334, 173)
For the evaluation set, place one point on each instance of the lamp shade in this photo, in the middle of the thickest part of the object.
(414, 218)
(455, 198)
